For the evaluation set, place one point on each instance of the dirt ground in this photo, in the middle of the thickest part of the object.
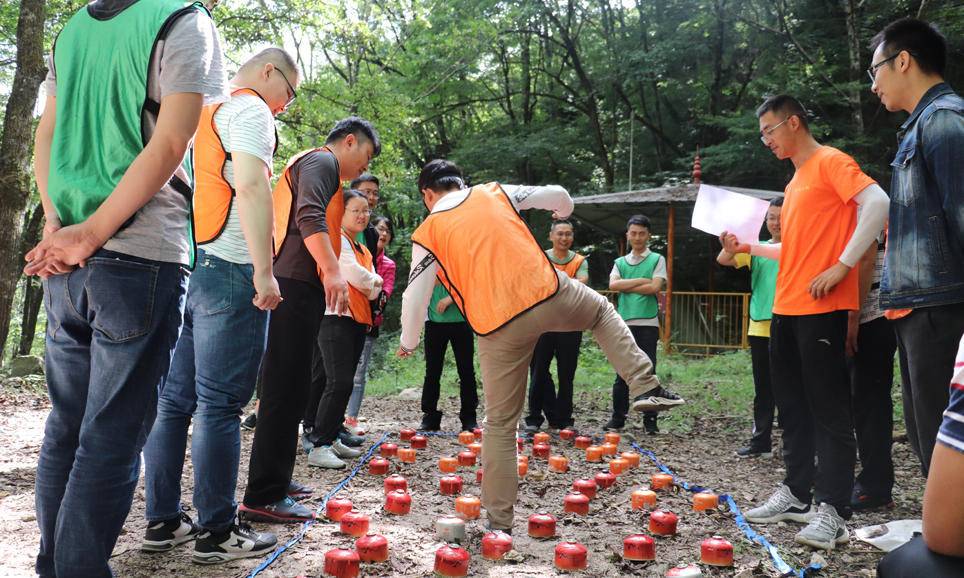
(705, 458)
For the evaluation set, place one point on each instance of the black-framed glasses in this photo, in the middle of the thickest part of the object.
(872, 71)
(291, 88)
(765, 133)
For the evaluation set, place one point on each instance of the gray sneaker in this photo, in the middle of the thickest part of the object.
(781, 506)
(343, 451)
(324, 457)
(825, 531)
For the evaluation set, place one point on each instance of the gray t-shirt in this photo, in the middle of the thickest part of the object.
(189, 60)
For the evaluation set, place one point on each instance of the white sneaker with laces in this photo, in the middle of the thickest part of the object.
(825, 531)
(343, 451)
(324, 457)
(781, 506)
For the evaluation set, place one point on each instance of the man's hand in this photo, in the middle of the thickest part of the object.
(267, 294)
(442, 305)
(336, 294)
(61, 250)
(732, 245)
(853, 327)
(823, 284)
(402, 353)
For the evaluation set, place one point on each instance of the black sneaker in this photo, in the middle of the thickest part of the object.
(238, 541)
(469, 425)
(286, 511)
(659, 399)
(650, 424)
(431, 422)
(350, 440)
(752, 452)
(861, 500)
(299, 491)
(250, 422)
(166, 534)
(530, 430)
(614, 424)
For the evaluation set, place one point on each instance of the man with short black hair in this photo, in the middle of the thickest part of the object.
(824, 235)
(308, 207)
(561, 345)
(922, 287)
(638, 276)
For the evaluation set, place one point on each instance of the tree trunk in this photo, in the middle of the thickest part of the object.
(856, 71)
(32, 289)
(15, 150)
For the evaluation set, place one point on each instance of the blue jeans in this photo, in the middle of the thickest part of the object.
(111, 328)
(212, 377)
(361, 378)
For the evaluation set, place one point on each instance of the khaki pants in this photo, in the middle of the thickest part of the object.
(504, 359)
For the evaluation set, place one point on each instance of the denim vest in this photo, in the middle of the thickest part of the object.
(925, 247)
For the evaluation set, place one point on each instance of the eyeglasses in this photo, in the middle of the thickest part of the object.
(872, 71)
(360, 212)
(291, 89)
(765, 133)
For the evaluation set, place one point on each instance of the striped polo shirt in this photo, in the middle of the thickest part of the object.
(951, 433)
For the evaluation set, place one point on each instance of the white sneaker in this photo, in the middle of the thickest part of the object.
(781, 506)
(825, 531)
(324, 457)
(343, 451)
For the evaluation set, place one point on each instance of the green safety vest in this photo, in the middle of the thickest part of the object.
(633, 305)
(763, 284)
(102, 69)
(452, 313)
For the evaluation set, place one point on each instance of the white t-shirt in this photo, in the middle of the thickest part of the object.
(245, 124)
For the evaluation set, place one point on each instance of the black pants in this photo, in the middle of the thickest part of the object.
(812, 391)
(646, 338)
(927, 341)
(914, 560)
(339, 347)
(543, 399)
(285, 380)
(763, 404)
(871, 379)
(437, 338)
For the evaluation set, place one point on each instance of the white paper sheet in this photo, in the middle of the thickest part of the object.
(719, 210)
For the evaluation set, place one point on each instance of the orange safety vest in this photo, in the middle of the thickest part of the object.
(284, 208)
(490, 262)
(570, 268)
(358, 304)
(213, 194)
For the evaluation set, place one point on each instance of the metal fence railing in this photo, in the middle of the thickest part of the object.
(703, 322)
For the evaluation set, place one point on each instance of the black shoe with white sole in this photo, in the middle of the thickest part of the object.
(165, 535)
(659, 399)
(238, 541)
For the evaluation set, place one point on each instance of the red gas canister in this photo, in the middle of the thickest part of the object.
(398, 502)
(354, 524)
(419, 442)
(395, 482)
(337, 507)
(571, 556)
(466, 459)
(605, 479)
(450, 485)
(542, 525)
(388, 449)
(586, 486)
(372, 548)
(406, 434)
(341, 563)
(378, 466)
(662, 522)
(451, 561)
(716, 551)
(639, 547)
(582, 442)
(576, 503)
(495, 545)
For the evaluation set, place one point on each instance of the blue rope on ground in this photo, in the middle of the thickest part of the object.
(324, 501)
(751, 534)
